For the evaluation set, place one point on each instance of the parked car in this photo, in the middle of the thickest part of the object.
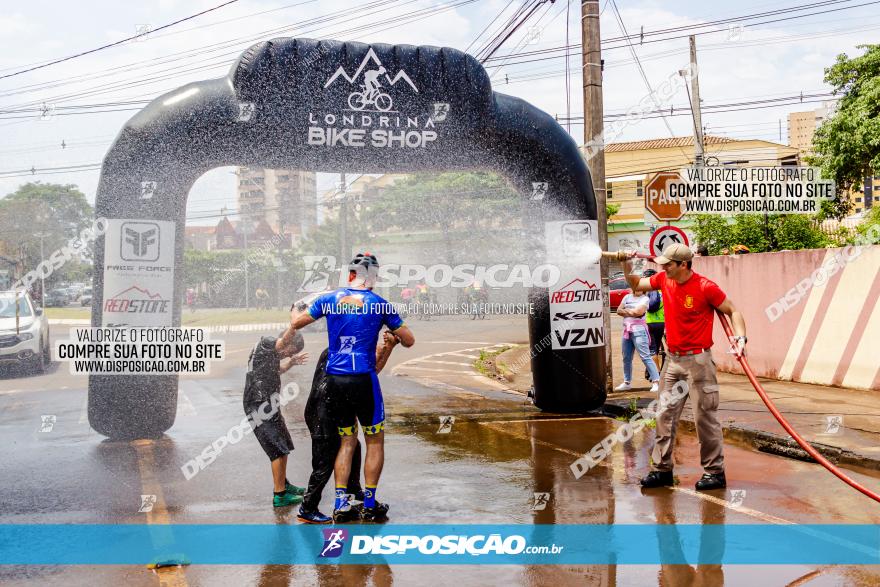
(86, 298)
(57, 298)
(617, 289)
(75, 291)
(24, 335)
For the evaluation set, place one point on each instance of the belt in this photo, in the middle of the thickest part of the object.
(688, 353)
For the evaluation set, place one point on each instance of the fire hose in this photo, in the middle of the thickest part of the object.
(725, 323)
(747, 369)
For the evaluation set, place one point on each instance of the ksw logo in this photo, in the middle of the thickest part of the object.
(576, 315)
(580, 337)
(371, 90)
(140, 241)
(334, 542)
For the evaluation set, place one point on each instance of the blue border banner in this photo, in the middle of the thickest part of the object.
(734, 544)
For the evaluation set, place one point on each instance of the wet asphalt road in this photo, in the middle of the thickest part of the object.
(499, 453)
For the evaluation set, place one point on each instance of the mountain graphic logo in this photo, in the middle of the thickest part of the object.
(371, 93)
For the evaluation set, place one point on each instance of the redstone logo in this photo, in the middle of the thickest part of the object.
(576, 290)
(136, 300)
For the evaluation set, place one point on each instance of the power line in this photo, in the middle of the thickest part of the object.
(114, 44)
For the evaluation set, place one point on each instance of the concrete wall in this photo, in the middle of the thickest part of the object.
(828, 334)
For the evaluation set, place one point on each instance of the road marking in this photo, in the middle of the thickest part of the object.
(469, 365)
(417, 368)
(463, 355)
(84, 410)
(10, 391)
(161, 533)
(184, 405)
(765, 517)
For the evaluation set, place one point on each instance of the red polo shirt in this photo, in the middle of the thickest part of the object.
(689, 309)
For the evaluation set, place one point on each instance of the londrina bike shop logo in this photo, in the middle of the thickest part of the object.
(369, 117)
(334, 542)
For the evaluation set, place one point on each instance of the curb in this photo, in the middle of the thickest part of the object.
(207, 329)
(764, 441)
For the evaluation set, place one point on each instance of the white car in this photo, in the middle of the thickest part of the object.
(24, 334)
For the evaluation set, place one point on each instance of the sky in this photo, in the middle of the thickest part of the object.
(762, 62)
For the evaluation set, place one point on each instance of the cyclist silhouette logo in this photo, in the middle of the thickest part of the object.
(371, 95)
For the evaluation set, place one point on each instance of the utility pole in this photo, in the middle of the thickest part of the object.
(343, 219)
(594, 145)
(699, 158)
(245, 227)
(42, 235)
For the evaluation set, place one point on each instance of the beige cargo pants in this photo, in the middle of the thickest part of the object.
(698, 371)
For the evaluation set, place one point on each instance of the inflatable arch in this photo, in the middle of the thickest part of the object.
(332, 106)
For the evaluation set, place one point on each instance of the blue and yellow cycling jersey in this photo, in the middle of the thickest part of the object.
(355, 318)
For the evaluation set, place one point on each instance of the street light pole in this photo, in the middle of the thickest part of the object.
(247, 282)
(42, 235)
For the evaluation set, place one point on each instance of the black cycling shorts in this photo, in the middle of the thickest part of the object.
(356, 398)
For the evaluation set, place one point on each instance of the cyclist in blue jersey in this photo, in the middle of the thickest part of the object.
(355, 318)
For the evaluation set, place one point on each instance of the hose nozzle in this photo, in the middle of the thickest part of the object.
(623, 255)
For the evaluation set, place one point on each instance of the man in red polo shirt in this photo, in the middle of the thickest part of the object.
(690, 301)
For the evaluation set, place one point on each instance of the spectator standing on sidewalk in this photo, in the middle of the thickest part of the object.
(633, 308)
(690, 301)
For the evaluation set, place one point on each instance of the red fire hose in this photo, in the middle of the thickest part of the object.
(725, 323)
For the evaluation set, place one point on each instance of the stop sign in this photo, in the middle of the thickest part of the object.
(657, 200)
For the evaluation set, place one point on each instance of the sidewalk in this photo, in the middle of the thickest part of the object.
(745, 418)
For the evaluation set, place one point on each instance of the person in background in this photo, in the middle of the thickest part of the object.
(262, 297)
(656, 326)
(633, 308)
(269, 359)
(702, 251)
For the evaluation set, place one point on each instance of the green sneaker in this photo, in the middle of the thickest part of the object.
(286, 499)
(293, 489)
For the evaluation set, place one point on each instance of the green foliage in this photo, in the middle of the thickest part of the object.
(611, 210)
(431, 200)
(847, 145)
(868, 227)
(759, 233)
(59, 212)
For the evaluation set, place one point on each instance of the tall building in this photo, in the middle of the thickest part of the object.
(285, 199)
(801, 128)
(802, 125)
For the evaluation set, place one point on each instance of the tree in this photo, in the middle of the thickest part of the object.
(472, 210)
(59, 212)
(847, 145)
(759, 233)
(611, 210)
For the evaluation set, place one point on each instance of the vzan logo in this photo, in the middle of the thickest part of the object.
(368, 116)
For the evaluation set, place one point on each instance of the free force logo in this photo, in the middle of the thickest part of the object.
(334, 542)
(139, 242)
